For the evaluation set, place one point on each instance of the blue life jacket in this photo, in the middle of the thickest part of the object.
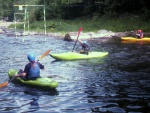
(34, 71)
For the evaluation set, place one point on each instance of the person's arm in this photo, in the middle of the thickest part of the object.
(138, 34)
(22, 74)
(80, 41)
(41, 66)
(88, 47)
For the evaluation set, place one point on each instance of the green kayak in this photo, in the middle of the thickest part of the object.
(39, 82)
(77, 56)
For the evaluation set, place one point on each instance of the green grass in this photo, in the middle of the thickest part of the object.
(120, 24)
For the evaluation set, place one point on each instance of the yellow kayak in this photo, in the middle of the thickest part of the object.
(132, 39)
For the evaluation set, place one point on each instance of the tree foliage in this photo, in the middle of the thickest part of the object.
(71, 9)
(6, 8)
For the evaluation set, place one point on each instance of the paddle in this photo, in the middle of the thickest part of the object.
(6, 83)
(79, 31)
(45, 54)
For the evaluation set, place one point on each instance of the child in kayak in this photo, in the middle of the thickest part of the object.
(85, 47)
(32, 69)
(139, 34)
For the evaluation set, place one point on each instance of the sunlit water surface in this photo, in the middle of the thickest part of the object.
(117, 83)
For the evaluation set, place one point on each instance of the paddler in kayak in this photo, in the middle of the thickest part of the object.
(32, 69)
(85, 47)
(139, 34)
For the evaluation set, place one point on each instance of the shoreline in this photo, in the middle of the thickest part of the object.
(73, 35)
(104, 34)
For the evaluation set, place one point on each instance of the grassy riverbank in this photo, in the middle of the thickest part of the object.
(120, 24)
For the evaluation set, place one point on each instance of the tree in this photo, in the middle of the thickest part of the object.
(6, 8)
(70, 9)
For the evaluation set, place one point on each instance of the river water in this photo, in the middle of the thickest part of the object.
(117, 83)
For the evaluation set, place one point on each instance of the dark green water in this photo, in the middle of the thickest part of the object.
(117, 83)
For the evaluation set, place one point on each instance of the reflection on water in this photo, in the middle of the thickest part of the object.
(118, 83)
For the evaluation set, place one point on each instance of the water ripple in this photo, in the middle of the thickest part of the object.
(118, 83)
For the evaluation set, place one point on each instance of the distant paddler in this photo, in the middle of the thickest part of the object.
(85, 47)
(139, 34)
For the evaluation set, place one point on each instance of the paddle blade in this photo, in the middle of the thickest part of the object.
(4, 84)
(79, 31)
(45, 54)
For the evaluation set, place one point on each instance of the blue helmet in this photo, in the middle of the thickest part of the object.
(84, 42)
(31, 57)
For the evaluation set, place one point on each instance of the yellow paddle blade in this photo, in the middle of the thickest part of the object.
(46, 53)
(4, 84)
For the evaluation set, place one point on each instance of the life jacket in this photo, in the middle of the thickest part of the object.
(34, 71)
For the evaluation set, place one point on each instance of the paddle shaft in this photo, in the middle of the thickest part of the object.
(75, 44)
(79, 31)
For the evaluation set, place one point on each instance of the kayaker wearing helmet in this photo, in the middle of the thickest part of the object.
(85, 47)
(32, 69)
(139, 34)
